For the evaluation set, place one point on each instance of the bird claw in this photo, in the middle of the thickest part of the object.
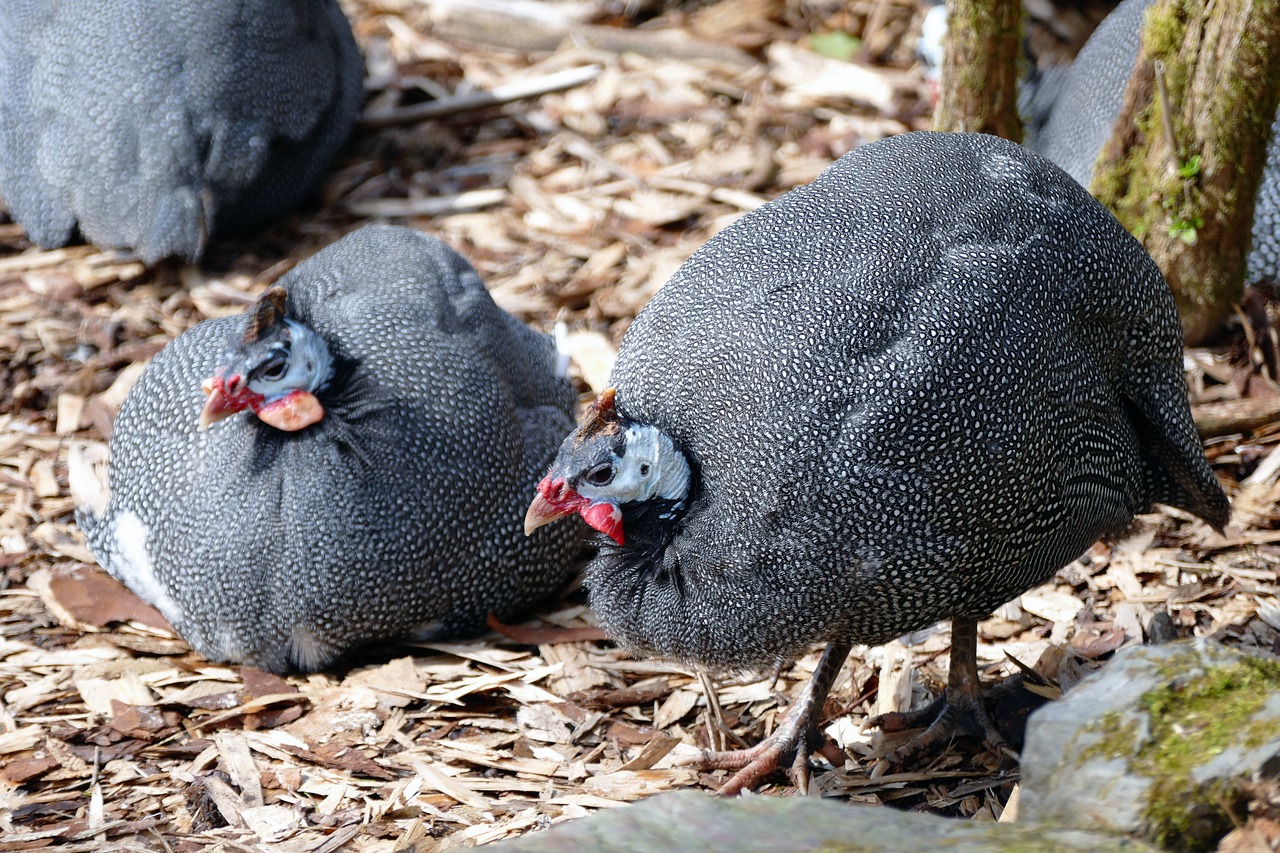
(953, 714)
(754, 765)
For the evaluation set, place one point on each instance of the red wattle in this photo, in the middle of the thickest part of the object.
(605, 517)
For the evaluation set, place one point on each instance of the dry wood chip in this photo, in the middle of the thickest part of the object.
(577, 674)
(675, 707)
(139, 721)
(628, 785)
(343, 757)
(740, 694)
(59, 540)
(206, 695)
(272, 823)
(73, 766)
(468, 753)
(27, 765)
(253, 706)
(1097, 639)
(453, 788)
(20, 739)
(597, 700)
(258, 683)
(240, 766)
(653, 752)
(896, 679)
(482, 834)
(544, 722)
(43, 480)
(808, 78)
(225, 799)
(89, 596)
(100, 695)
(1051, 604)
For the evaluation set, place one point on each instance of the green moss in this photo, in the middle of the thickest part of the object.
(1127, 187)
(1119, 738)
(1189, 726)
(1163, 28)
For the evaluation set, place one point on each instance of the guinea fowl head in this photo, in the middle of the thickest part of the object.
(617, 474)
(275, 369)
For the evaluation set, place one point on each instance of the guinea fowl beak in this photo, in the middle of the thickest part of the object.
(542, 511)
(219, 405)
(554, 499)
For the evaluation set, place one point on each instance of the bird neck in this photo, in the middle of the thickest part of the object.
(309, 357)
(651, 525)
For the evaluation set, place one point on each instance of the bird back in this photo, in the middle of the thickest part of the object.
(926, 381)
(399, 512)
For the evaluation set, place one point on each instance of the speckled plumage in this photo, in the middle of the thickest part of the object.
(151, 125)
(908, 391)
(399, 513)
(1089, 104)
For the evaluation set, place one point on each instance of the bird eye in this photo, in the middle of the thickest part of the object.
(601, 475)
(644, 469)
(273, 369)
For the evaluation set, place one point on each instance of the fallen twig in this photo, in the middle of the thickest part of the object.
(555, 82)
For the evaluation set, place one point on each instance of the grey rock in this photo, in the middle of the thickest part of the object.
(399, 512)
(1145, 745)
(152, 126)
(684, 821)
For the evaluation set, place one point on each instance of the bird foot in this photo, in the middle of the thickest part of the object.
(791, 735)
(755, 764)
(956, 713)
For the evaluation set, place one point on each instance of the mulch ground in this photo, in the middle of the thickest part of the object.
(575, 204)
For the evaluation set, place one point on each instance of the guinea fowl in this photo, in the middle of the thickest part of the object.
(1089, 103)
(906, 392)
(151, 126)
(397, 419)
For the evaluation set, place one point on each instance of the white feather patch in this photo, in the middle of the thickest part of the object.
(134, 568)
(651, 467)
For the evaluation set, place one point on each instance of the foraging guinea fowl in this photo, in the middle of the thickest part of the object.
(152, 126)
(906, 392)
(1090, 101)
(397, 419)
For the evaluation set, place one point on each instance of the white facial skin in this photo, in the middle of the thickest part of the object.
(308, 367)
(652, 467)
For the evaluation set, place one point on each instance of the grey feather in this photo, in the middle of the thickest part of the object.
(909, 391)
(151, 126)
(399, 513)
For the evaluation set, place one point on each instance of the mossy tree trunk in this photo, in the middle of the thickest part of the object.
(1182, 169)
(980, 68)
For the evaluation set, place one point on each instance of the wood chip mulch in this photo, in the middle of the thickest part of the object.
(575, 204)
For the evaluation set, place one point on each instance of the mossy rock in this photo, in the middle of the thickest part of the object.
(1155, 744)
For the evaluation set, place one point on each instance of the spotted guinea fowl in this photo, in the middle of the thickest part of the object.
(906, 392)
(358, 469)
(1089, 103)
(152, 126)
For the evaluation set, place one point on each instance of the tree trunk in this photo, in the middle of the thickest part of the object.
(980, 68)
(1181, 171)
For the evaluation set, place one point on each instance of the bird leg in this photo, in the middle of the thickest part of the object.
(754, 764)
(958, 711)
